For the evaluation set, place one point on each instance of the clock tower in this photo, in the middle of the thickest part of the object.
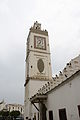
(38, 64)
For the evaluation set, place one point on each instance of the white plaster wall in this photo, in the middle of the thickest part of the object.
(33, 72)
(34, 86)
(66, 96)
(31, 88)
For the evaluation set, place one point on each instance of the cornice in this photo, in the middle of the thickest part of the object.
(36, 78)
(40, 51)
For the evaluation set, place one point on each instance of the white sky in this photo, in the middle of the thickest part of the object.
(62, 20)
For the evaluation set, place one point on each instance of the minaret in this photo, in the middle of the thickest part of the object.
(38, 64)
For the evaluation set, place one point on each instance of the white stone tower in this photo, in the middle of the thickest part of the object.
(38, 64)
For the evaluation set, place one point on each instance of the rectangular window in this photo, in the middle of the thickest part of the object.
(79, 110)
(34, 116)
(9, 108)
(62, 114)
(38, 115)
(50, 115)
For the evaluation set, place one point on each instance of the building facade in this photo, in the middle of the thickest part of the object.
(63, 102)
(47, 97)
(11, 107)
(15, 107)
(2, 105)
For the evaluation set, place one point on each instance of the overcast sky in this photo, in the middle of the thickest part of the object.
(62, 20)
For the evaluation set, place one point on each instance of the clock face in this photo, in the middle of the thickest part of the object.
(40, 42)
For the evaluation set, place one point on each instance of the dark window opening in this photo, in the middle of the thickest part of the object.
(38, 115)
(9, 108)
(26, 117)
(50, 115)
(34, 116)
(79, 110)
(62, 114)
(21, 109)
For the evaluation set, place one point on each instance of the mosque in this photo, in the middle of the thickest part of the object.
(47, 97)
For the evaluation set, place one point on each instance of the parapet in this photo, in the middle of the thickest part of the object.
(36, 28)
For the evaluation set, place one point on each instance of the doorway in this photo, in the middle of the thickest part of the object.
(62, 114)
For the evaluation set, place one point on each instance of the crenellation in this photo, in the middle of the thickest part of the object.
(48, 86)
(62, 77)
(68, 71)
(55, 83)
(75, 63)
(51, 84)
(43, 89)
(57, 77)
(40, 91)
